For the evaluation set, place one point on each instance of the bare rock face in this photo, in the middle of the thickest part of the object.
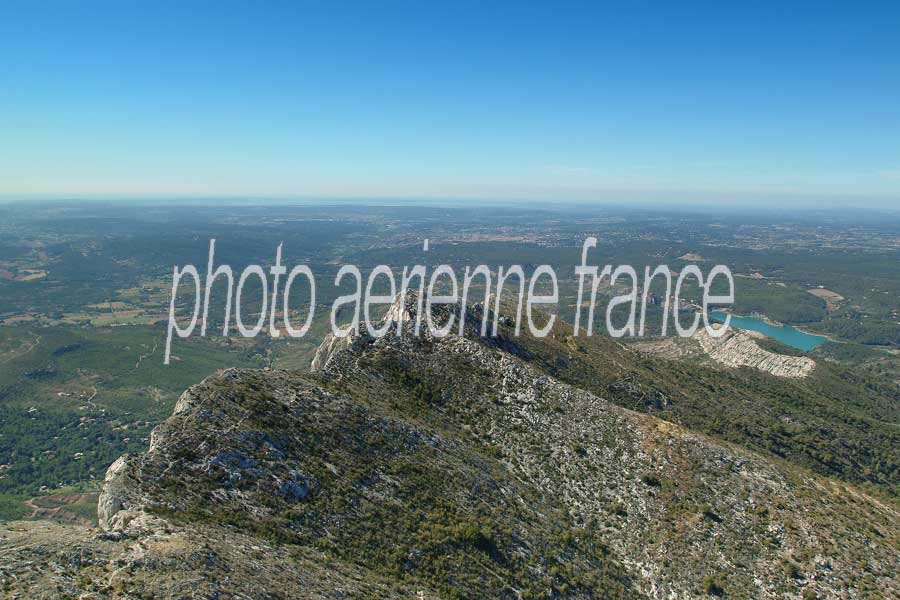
(328, 348)
(112, 500)
(737, 349)
(399, 319)
(119, 509)
(403, 321)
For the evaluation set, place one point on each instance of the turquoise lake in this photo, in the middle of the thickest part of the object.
(784, 334)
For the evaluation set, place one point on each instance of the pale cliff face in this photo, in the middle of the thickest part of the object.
(732, 349)
(738, 349)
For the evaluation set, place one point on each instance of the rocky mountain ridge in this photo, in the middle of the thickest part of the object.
(450, 466)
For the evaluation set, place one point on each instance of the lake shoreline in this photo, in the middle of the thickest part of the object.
(784, 333)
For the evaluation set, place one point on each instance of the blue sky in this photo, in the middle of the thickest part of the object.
(511, 100)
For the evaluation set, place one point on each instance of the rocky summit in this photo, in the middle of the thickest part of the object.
(411, 466)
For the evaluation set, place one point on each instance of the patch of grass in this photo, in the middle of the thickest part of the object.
(11, 507)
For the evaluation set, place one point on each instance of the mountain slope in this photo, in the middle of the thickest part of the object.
(835, 421)
(454, 467)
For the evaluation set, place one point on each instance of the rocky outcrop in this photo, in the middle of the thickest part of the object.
(111, 501)
(399, 319)
(329, 346)
(737, 349)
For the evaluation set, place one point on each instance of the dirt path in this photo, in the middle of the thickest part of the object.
(148, 355)
(59, 512)
(13, 354)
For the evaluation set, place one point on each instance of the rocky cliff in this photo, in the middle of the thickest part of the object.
(733, 349)
(738, 349)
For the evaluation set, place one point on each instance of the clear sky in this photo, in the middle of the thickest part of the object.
(451, 99)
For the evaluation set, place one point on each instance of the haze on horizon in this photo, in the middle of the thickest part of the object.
(574, 102)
